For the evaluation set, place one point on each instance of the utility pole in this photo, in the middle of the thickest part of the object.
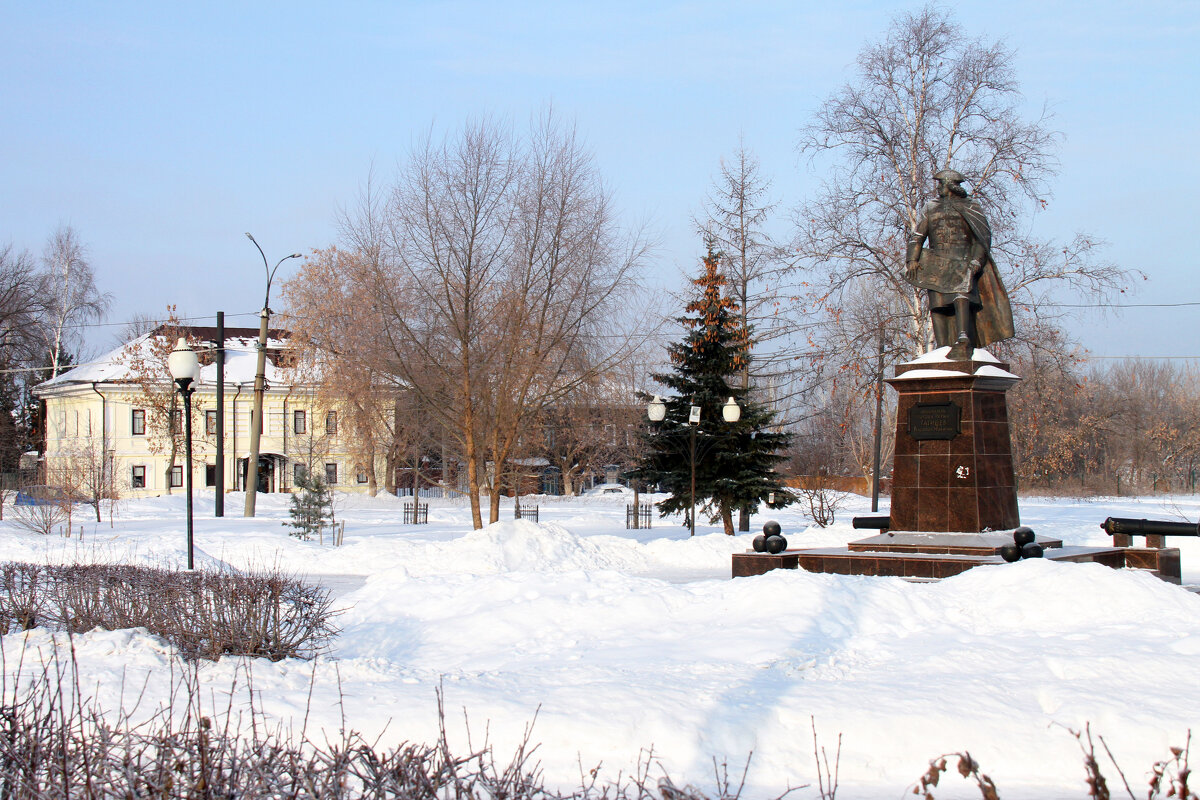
(219, 488)
(260, 381)
(878, 425)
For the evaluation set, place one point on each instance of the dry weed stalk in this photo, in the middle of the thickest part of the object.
(966, 767)
(1172, 774)
(55, 742)
(827, 779)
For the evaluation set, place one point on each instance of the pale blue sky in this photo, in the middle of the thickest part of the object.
(162, 131)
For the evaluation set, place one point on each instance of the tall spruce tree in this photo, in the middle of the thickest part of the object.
(734, 461)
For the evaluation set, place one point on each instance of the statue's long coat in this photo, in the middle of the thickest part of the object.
(994, 321)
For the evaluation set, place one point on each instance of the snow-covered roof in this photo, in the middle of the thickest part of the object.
(241, 361)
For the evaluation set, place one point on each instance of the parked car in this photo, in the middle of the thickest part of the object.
(45, 496)
(609, 488)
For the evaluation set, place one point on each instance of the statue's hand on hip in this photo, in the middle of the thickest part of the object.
(976, 267)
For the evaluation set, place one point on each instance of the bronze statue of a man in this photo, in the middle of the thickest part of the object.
(967, 302)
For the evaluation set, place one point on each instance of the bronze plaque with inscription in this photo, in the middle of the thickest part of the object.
(935, 420)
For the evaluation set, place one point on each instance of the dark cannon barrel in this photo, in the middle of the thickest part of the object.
(871, 523)
(1115, 526)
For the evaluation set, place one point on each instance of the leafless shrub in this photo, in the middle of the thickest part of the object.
(822, 503)
(203, 614)
(21, 597)
(43, 518)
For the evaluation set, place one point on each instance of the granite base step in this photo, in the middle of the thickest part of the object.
(1164, 563)
(973, 544)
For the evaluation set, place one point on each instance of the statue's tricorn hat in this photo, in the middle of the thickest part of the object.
(951, 175)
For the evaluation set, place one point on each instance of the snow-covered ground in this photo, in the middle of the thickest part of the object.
(619, 641)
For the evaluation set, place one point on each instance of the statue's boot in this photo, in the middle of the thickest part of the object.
(961, 349)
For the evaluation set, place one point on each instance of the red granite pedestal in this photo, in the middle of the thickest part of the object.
(953, 468)
(954, 491)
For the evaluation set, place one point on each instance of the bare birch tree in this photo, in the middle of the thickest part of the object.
(927, 98)
(72, 293)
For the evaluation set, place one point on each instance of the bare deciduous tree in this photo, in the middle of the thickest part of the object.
(735, 216)
(24, 308)
(139, 324)
(87, 471)
(927, 97)
(147, 362)
(334, 325)
(589, 429)
(72, 293)
(501, 285)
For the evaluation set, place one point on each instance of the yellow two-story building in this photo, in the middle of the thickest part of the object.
(119, 416)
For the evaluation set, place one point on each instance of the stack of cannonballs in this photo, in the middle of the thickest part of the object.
(771, 539)
(1023, 546)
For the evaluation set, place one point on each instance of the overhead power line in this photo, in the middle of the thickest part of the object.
(1123, 305)
(1113, 306)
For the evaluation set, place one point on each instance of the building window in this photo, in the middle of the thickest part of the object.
(331, 423)
(210, 423)
(360, 475)
(137, 424)
(299, 473)
(210, 474)
(299, 421)
(176, 476)
(331, 474)
(176, 422)
(138, 479)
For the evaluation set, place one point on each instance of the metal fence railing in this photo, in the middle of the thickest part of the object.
(416, 513)
(526, 512)
(637, 516)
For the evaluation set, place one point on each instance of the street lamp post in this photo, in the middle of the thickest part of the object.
(185, 370)
(731, 412)
(656, 411)
(260, 380)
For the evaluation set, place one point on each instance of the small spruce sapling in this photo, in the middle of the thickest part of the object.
(312, 506)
